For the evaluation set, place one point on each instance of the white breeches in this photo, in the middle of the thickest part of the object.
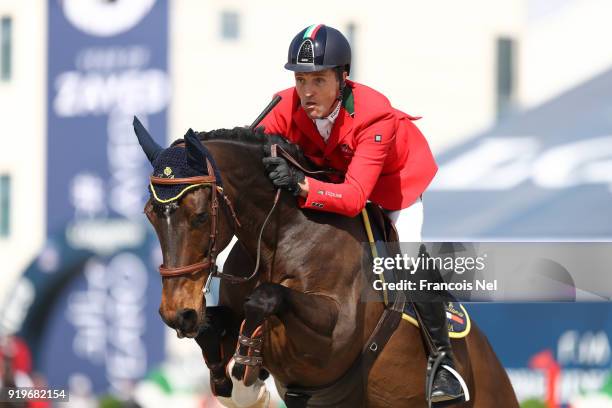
(408, 221)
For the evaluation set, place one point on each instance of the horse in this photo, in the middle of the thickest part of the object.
(289, 300)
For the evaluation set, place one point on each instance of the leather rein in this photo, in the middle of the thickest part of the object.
(209, 262)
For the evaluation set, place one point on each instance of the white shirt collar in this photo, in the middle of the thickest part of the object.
(325, 124)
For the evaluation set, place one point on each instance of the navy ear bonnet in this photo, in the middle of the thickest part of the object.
(189, 160)
(173, 163)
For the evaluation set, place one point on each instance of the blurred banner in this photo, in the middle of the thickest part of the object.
(107, 63)
(87, 307)
(90, 318)
(558, 348)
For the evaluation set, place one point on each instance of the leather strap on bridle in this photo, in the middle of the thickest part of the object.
(240, 279)
(183, 270)
(184, 180)
(210, 261)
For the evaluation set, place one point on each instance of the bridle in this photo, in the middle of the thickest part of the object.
(209, 262)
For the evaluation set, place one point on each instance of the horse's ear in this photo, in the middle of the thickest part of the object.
(149, 146)
(196, 156)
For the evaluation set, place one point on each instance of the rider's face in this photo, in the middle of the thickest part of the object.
(317, 91)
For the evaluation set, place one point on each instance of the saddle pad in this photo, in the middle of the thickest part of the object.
(459, 324)
(458, 320)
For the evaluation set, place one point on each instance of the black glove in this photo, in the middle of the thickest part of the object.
(283, 175)
(267, 147)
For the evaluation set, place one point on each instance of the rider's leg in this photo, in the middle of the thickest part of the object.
(446, 386)
(408, 223)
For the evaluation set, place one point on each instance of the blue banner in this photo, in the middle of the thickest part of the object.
(532, 340)
(91, 318)
(96, 321)
(107, 62)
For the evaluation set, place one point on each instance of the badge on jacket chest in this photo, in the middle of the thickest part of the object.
(378, 138)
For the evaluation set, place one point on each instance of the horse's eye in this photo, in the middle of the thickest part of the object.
(199, 219)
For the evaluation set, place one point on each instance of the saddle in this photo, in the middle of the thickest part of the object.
(383, 239)
(381, 227)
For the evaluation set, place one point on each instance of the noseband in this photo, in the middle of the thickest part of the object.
(209, 263)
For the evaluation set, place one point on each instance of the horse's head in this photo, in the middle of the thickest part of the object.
(185, 195)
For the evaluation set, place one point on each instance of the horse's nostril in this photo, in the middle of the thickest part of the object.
(186, 319)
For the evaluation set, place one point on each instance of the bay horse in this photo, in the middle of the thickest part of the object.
(291, 287)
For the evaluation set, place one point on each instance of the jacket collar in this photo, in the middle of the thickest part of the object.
(342, 126)
(344, 123)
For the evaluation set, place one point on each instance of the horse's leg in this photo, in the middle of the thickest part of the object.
(309, 318)
(233, 297)
(211, 341)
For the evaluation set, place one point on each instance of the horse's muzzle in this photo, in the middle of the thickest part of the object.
(186, 323)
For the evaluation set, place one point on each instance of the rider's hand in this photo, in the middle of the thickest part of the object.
(283, 175)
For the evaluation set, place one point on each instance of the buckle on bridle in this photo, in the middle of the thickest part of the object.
(213, 271)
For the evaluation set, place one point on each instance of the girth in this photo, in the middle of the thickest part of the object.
(348, 391)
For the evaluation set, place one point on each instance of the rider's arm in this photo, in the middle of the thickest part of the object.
(372, 145)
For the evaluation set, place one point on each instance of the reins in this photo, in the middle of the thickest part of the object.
(209, 261)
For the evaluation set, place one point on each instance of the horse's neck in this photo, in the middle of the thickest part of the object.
(251, 193)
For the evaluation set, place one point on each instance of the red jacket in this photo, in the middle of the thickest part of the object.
(385, 157)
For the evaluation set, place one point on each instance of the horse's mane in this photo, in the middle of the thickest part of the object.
(241, 135)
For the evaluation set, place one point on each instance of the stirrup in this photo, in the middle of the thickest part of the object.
(433, 364)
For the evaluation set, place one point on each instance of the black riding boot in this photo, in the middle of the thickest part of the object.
(445, 386)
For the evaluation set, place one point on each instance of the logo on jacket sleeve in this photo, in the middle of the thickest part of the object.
(378, 138)
(329, 194)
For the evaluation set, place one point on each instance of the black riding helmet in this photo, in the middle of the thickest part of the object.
(318, 47)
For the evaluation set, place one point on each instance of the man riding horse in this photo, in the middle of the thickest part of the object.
(350, 127)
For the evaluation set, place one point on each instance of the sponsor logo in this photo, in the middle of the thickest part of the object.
(105, 18)
(332, 194)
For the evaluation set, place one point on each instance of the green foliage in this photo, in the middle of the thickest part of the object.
(533, 403)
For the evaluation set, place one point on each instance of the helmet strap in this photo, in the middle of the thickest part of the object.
(340, 76)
